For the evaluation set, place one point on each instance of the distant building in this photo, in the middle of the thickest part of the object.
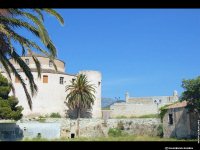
(138, 106)
(178, 122)
(52, 87)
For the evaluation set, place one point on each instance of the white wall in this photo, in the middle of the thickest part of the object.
(50, 97)
(95, 78)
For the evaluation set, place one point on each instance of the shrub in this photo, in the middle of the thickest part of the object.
(115, 132)
(41, 119)
(160, 130)
(55, 115)
(120, 125)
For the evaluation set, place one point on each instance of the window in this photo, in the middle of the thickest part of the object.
(45, 79)
(27, 61)
(73, 80)
(61, 80)
(170, 119)
(16, 80)
(99, 83)
(50, 63)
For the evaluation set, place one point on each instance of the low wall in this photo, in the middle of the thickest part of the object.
(58, 128)
(98, 127)
(136, 126)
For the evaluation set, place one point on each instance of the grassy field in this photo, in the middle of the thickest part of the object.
(121, 138)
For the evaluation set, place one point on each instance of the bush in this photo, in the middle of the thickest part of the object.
(160, 130)
(41, 119)
(55, 115)
(120, 125)
(115, 132)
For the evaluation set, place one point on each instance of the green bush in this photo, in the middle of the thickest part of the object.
(41, 119)
(120, 125)
(114, 132)
(160, 130)
(55, 115)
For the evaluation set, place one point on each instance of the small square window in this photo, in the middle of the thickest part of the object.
(27, 61)
(50, 63)
(61, 80)
(45, 79)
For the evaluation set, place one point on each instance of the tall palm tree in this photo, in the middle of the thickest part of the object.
(33, 21)
(80, 96)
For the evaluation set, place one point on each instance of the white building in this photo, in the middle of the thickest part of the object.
(52, 87)
(138, 106)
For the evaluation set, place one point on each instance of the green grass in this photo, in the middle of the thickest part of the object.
(143, 116)
(121, 138)
(121, 117)
(106, 108)
(149, 116)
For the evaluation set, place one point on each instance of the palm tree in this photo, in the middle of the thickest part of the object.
(81, 96)
(33, 21)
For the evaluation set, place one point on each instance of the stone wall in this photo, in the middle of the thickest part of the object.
(137, 126)
(53, 128)
(99, 128)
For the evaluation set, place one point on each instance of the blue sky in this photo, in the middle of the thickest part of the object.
(147, 52)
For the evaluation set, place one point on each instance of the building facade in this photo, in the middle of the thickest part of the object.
(180, 123)
(138, 106)
(52, 92)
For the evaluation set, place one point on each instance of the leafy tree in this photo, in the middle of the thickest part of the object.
(80, 95)
(192, 93)
(8, 104)
(33, 21)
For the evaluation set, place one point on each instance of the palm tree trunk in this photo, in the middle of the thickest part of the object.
(78, 128)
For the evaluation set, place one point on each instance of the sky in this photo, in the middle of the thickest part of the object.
(145, 52)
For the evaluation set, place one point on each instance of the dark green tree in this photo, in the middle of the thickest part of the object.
(8, 104)
(192, 93)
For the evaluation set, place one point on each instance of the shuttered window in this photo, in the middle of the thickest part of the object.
(45, 79)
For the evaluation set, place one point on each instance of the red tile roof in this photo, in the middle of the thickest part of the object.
(178, 105)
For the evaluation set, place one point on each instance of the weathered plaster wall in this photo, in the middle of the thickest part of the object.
(181, 127)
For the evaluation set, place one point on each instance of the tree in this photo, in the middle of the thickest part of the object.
(33, 21)
(192, 93)
(8, 104)
(81, 96)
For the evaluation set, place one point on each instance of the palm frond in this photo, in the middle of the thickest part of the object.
(81, 93)
(37, 63)
(54, 13)
(26, 70)
(38, 11)
(7, 63)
